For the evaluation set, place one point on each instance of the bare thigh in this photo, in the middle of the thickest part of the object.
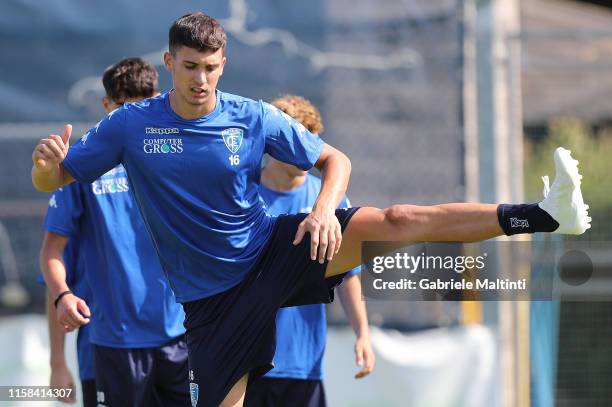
(235, 398)
(368, 224)
(454, 222)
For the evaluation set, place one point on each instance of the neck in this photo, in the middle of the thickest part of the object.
(188, 111)
(276, 178)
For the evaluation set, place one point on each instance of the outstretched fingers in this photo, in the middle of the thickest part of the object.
(299, 235)
(325, 236)
(324, 242)
(332, 235)
(338, 232)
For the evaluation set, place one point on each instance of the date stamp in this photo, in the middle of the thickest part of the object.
(33, 393)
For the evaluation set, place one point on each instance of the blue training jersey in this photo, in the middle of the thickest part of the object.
(196, 181)
(75, 278)
(133, 305)
(300, 331)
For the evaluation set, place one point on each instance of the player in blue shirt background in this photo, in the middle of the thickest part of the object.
(136, 325)
(193, 159)
(296, 378)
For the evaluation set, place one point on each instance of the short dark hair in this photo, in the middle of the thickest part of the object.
(196, 30)
(130, 78)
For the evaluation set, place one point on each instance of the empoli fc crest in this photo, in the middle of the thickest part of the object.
(232, 138)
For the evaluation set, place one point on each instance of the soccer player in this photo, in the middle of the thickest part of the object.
(301, 331)
(136, 325)
(193, 159)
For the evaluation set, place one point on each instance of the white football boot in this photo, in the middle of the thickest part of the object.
(563, 201)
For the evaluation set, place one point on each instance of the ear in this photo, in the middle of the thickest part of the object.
(223, 61)
(168, 61)
(106, 103)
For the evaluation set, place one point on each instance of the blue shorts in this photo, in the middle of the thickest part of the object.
(281, 392)
(233, 333)
(142, 376)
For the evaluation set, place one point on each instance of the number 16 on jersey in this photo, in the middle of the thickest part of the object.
(234, 159)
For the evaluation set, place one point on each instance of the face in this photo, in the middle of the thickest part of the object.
(195, 76)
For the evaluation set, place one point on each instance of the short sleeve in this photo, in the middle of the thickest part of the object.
(289, 141)
(99, 150)
(353, 272)
(64, 211)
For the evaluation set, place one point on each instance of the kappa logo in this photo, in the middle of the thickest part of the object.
(519, 223)
(53, 202)
(161, 130)
(232, 138)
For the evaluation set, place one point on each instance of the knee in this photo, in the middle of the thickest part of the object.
(398, 215)
(406, 222)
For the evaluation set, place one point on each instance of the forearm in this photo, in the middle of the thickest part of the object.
(49, 181)
(354, 308)
(335, 174)
(56, 336)
(55, 277)
(52, 266)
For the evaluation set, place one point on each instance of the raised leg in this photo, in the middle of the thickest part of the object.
(562, 211)
(455, 222)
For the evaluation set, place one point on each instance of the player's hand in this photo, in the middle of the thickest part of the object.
(325, 234)
(51, 151)
(364, 356)
(61, 378)
(72, 312)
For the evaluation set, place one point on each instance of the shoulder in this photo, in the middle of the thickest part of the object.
(64, 199)
(231, 102)
(147, 105)
(247, 107)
